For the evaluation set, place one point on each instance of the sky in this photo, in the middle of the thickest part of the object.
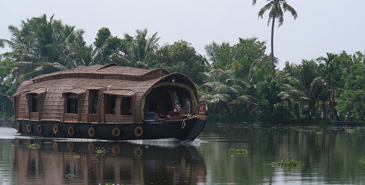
(321, 26)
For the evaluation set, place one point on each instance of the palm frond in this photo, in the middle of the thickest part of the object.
(265, 8)
(289, 8)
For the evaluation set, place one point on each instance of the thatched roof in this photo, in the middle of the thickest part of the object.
(110, 71)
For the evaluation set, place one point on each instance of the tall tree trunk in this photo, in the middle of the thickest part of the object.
(296, 110)
(228, 111)
(272, 42)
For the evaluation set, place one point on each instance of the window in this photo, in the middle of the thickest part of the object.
(72, 103)
(34, 103)
(126, 106)
(93, 102)
(110, 104)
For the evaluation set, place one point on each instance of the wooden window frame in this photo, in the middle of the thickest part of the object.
(126, 109)
(68, 98)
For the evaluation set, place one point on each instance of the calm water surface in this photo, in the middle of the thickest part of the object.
(330, 155)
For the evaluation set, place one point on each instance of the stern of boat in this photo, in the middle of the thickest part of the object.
(201, 114)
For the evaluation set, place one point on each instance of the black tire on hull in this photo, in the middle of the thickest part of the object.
(55, 129)
(116, 132)
(138, 131)
(91, 132)
(71, 131)
(29, 128)
(39, 129)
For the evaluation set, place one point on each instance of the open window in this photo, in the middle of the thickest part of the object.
(34, 103)
(110, 104)
(126, 106)
(72, 103)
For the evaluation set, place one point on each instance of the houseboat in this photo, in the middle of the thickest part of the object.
(110, 102)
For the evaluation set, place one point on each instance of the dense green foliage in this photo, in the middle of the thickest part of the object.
(237, 81)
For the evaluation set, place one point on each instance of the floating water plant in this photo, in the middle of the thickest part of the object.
(350, 131)
(362, 160)
(69, 176)
(34, 146)
(100, 151)
(288, 162)
(233, 151)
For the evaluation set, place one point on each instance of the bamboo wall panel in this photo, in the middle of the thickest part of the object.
(23, 111)
(34, 116)
(93, 118)
(84, 118)
(113, 119)
(71, 118)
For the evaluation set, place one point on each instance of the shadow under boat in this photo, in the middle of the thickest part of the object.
(44, 161)
(337, 123)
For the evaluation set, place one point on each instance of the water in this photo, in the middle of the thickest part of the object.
(330, 155)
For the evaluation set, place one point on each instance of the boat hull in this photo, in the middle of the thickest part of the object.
(186, 129)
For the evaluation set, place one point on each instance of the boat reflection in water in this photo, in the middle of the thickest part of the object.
(60, 162)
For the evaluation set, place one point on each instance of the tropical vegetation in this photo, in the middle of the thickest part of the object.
(237, 80)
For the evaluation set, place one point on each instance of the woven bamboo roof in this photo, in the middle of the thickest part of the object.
(110, 71)
(111, 77)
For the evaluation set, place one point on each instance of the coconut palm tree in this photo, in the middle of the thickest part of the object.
(48, 45)
(39, 46)
(220, 89)
(220, 55)
(306, 85)
(139, 49)
(275, 8)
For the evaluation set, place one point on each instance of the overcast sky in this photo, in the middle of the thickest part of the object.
(322, 25)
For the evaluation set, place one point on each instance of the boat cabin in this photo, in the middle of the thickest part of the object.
(108, 94)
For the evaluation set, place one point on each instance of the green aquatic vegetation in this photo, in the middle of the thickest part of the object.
(34, 146)
(288, 162)
(100, 151)
(319, 132)
(233, 151)
(77, 156)
(69, 176)
(362, 160)
(350, 131)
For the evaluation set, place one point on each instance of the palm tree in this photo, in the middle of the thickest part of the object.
(45, 45)
(305, 86)
(276, 8)
(220, 55)
(39, 46)
(139, 50)
(220, 89)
